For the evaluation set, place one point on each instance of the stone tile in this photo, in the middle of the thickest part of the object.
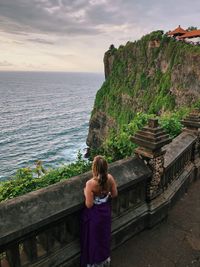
(173, 243)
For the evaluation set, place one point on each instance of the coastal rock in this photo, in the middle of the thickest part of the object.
(99, 126)
(108, 61)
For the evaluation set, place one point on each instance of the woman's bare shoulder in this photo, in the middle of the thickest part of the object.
(91, 182)
(111, 178)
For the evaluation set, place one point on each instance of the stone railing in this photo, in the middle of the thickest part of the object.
(42, 227)
(178, 155)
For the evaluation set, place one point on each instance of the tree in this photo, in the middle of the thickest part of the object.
(191, 28)
(111, 47)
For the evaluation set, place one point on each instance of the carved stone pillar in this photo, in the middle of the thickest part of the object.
(192, 124)
(192, 121)
(151, 139)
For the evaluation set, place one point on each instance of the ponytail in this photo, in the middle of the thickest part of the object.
(102, 180)
(100, 170)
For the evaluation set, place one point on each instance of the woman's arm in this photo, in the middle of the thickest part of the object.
(89, 195)
(113, 184)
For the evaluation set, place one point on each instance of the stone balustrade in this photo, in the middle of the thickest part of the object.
(42, 228)
(182, 148)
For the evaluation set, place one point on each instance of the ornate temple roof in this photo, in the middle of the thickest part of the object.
(191, 34)
(177, 31)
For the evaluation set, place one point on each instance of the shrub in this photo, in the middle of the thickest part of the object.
(25, 181)
(171, 124)
(118, 145)
(171, 121)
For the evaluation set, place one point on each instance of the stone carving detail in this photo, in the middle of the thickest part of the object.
(157, 166)
(198, 144)
(151, 140)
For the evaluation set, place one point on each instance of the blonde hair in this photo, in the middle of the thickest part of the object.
(100, 170)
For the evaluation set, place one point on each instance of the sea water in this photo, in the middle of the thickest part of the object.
(44, 116)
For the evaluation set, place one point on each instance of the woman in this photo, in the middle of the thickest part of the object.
(96, 219)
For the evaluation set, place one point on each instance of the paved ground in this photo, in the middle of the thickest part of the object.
(173, 243)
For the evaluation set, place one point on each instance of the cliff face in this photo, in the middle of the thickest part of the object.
(151, 75)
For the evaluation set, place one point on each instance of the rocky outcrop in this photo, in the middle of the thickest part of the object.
(108, 63)
(185, 80)
(154, 74)
(99, 127)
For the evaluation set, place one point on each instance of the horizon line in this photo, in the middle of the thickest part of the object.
(56, 71)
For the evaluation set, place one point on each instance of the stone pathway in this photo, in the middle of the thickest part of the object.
(173, 243)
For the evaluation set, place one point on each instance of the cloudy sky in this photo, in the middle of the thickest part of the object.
(72, 35)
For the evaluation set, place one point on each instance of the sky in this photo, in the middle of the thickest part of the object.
(73, 35)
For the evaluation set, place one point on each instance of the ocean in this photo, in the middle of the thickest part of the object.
(44, 116)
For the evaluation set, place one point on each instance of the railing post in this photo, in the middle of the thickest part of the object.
(30, 248)
(192, 124)
(13, 256)
(151, 139)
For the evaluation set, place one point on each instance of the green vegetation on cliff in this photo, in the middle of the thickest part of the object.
(138, 80)
(154, 75)
(118, 144)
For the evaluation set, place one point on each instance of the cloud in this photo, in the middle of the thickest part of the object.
(59, 16)
(83, 17)
(40, 41)
(77, 29)
(5, 64)
(66, 57)
(63, 56)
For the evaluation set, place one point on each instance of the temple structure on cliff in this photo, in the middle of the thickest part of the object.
(187, 36)
(193, 36)
(177, 32)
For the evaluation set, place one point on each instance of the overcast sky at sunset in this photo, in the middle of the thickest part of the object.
(72, 35)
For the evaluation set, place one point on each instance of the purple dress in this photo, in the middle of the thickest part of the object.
(96, 233)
